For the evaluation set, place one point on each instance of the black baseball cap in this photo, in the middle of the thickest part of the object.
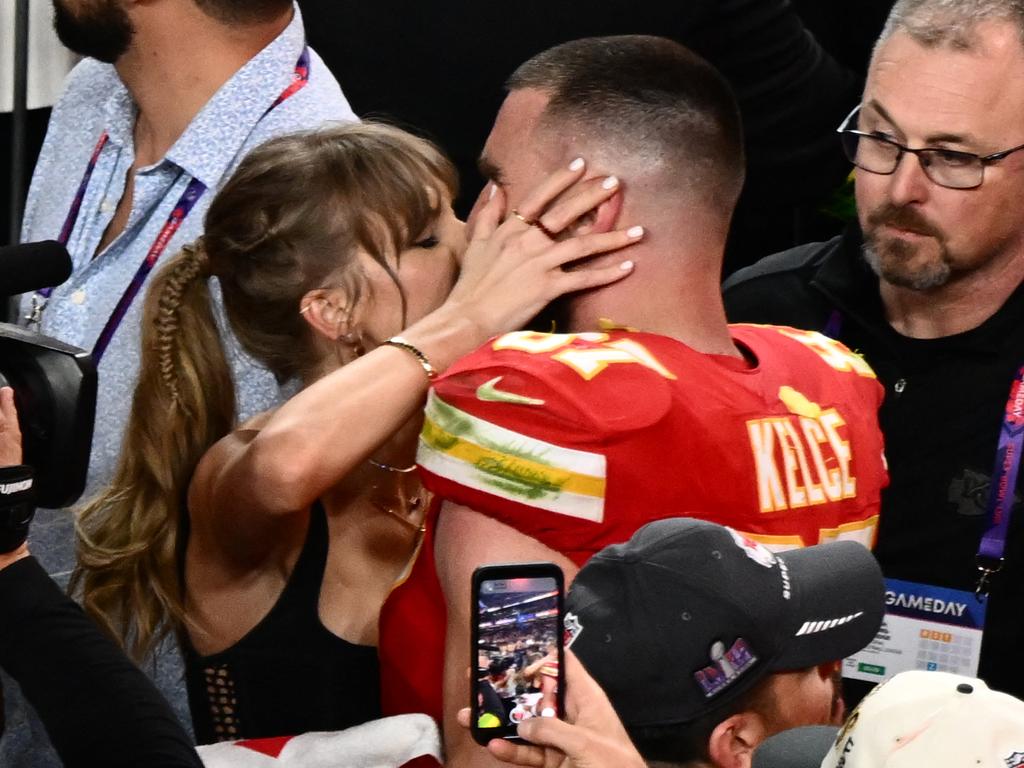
(688, 615)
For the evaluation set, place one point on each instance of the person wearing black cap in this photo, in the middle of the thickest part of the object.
(726, 642)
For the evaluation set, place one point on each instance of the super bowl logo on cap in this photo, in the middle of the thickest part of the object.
(757, 552)
(726, 666)
(572, 627)
(1016, 760)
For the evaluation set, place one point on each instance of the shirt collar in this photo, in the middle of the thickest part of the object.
(845, 277)
(212, 141)
(119, 112)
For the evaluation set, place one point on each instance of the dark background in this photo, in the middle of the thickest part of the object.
(437, 68)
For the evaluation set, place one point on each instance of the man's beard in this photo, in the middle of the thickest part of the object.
(101, 29)
(897, 261)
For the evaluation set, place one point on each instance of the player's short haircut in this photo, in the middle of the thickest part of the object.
(951, 23)
(648, 98)
(243, 11)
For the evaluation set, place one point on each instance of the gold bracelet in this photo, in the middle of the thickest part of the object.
(401, 343)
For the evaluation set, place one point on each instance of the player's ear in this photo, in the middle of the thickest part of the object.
(599, 219)
(732, 742)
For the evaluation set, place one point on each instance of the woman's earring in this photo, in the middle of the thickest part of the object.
(354, 341)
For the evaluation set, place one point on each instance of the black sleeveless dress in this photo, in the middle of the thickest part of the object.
(289, 674)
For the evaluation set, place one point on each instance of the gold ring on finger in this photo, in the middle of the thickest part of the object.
(526, 221)
(533, 223)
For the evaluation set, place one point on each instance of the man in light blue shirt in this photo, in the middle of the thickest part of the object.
(173, 95)
(194, 90)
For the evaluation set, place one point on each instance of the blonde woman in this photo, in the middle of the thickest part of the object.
(270, 547)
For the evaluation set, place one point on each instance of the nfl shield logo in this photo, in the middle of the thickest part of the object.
(1016, 760)
(572, 629)
(756, 551)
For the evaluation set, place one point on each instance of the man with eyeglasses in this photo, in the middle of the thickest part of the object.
(929, 290)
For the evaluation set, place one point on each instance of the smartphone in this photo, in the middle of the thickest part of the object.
(517, 652)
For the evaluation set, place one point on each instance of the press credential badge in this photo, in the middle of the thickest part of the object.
(925, 627)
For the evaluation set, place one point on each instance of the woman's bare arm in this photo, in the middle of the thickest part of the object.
(511, 270)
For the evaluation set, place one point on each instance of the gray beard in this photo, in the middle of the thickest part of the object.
(889, 261)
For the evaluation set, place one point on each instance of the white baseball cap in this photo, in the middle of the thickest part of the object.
(915, 720)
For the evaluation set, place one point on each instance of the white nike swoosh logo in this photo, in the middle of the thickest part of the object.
(489, 392)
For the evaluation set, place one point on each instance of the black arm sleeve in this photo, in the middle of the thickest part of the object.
(793, 94)
(97, 706)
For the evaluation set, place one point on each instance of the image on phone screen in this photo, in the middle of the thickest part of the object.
(518, 649)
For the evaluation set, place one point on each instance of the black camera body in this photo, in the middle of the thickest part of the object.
(55, 394)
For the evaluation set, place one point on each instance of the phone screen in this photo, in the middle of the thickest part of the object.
(517, 646)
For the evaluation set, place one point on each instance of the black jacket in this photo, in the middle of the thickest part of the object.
(943, 409)
(97, 706)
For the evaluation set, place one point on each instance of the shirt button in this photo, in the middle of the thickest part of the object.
(78, 297)
(108, 205)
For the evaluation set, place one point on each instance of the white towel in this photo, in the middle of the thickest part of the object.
(386, 743)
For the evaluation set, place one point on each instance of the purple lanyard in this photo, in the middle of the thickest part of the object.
(992, 550)
(76, 204)
(181, 210)
(1004, 484)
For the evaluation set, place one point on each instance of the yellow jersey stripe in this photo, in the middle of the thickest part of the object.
(477, 454)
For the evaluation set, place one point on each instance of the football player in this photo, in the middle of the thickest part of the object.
(550, 446)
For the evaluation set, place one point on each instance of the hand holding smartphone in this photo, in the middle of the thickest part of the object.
(517, 652)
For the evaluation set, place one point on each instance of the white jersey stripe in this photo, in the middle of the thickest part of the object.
(483, 456)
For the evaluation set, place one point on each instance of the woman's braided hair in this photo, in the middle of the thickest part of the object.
(193, 265)
(289, 220)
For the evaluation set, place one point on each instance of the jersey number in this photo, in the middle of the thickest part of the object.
(588, 361)
(837, 355)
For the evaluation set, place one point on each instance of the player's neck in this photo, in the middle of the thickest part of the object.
(699, 325)
(179, 58)
(959, 306)
(685, 311)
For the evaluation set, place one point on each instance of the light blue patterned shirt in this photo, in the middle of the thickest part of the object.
(233, 122)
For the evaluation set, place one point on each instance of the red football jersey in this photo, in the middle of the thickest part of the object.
(411, 636)
(578, 440)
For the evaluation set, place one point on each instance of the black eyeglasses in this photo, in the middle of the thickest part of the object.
(946, 167)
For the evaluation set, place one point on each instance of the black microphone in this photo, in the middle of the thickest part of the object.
(32, 266)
